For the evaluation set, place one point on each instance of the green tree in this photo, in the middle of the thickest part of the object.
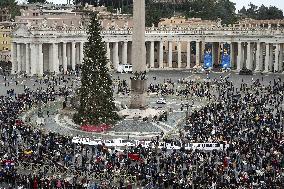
(156, 11)
(252, 11)
(262, 12)
(96, 94)
(211, 10)
(274, 13)
(225, 9)
(243, 11)
(36, 1)
(12, 7)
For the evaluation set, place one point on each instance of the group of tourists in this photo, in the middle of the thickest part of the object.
(248, 118)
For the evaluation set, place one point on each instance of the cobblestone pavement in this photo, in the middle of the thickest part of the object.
(63, 124)
(154, 77)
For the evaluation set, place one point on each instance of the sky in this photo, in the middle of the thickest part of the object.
(239, 3)
(277, 3)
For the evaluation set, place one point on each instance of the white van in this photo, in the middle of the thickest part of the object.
(124, 68)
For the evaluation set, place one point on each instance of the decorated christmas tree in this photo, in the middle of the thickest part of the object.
(96, 94)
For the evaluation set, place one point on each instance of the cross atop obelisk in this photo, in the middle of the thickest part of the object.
(138, 82)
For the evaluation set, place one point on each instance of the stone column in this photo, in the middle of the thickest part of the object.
(202, 51)
(115, 55)
(197, 56)
(170, 54)
(64, 58)
(33, 59)
(108, 54)
(14, 57)
(40, 60)
(69, 54)
(239, 57)
(19, 58)
(55, 60)
(73, 54)
(271, 57)
(276, 63)
(107, 51)
(161, 54)
(81, 52)
(28, 59)
(179, 53)
(249, 56)
(266, 67)
(261, 62)
(50, 60)
(281, 58)
(188, 55)
(232, 54)
(23, 57)
(152, 59)
(257, 57)
(124, 53)
(215, 53)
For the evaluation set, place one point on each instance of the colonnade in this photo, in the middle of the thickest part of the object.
(159, 53)
(37, 58)
(256, 56)
(260, 56)
(59, 57)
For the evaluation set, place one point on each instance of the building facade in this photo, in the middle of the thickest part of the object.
(35, 51)
(5, 15)
(252, 23)
(51, 39)
(5, 42)
(177, 22)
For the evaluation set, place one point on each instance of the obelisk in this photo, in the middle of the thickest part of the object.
(138, 81)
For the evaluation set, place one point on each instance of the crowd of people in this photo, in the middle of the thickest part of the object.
(248, 118)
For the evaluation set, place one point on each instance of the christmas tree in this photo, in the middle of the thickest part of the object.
(96, 94)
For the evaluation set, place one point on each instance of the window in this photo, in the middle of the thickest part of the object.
(176, 48)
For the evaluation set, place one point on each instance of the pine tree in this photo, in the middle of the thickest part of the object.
(96, 93)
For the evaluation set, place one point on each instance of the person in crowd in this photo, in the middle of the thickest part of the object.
(247, 119)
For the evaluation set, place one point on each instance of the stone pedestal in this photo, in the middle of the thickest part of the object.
(138, 94)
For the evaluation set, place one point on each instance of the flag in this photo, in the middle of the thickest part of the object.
(208, 56)
(226, 59)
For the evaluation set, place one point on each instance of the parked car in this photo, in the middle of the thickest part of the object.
(198, 70)
(161, 101)
(124, 68)
(245, 71)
